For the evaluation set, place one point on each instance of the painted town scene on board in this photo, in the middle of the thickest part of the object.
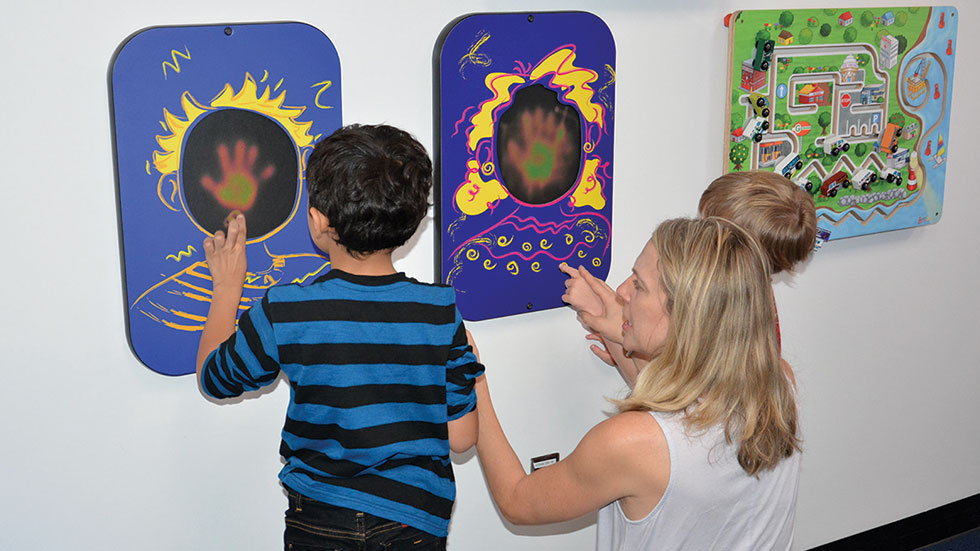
(851, 104)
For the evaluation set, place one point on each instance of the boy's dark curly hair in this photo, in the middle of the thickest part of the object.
(372, 183)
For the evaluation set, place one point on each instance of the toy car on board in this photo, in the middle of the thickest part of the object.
(864, 178)
(822, 236)
(833, 145)
(834, 183)
(789, 165)
(754, 128)
(888, 141)
(763, 54)
(893, 176)
(759, 103)
(806, 184)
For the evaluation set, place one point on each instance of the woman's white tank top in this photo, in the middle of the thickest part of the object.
(710, 502)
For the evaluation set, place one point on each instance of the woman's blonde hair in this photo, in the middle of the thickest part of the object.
(720, 362)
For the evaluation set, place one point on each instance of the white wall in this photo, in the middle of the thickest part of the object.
(98, 452)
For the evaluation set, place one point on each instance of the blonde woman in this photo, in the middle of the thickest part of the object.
(703, 454)
(776, 211)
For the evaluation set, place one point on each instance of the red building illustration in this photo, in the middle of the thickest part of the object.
(752, 80)
(811, 94)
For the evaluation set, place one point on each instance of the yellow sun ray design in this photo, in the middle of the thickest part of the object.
(167, 160)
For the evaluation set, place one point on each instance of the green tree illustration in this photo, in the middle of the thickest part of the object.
(824, 121)
(806, 36)
(902, 43)
(825, 30)
(786, 18)
(827, 160)
(738, 154)
(867, 18)
(850, 34)
(901, 18)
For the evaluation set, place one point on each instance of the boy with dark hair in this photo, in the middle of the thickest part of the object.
(380, 370)
(771, 208)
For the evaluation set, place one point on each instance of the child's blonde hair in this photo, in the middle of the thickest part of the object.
(778, 213)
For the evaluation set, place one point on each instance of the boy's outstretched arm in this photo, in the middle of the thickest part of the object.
(464, 367)
(227, 263)
(463, 432)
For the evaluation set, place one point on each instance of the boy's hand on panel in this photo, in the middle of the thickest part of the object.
(226, 255)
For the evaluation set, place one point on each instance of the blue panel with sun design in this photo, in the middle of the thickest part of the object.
(209, 121)
(525, 150)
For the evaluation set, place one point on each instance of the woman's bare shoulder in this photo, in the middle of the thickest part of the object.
(626, 431)
(637, 447)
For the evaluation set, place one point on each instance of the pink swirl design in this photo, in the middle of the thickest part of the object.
(538, 227)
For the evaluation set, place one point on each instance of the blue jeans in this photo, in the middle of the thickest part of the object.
(315, 526)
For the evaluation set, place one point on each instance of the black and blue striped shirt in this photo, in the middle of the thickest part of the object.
(377, 366)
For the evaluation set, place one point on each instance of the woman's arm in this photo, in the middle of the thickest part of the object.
(613, 354)
(597, 304)
(612, 461)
